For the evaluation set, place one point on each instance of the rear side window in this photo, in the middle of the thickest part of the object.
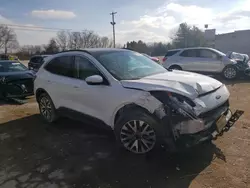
(61, 66)
(170, 53)
(35, 59)
(189, 53)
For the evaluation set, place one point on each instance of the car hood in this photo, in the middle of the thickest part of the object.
(185, 83)
(11, 76)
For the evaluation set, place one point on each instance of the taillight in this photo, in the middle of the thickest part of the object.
(164, 59)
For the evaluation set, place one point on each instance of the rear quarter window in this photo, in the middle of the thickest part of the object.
(171, 53)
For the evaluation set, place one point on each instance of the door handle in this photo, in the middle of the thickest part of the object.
(48, 81)
(76, 87)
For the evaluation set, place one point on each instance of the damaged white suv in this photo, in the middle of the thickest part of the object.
(145, 104)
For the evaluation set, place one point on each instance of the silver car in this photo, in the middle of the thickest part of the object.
(202, 60)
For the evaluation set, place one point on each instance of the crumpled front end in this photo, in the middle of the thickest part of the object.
(16, 88)
(193, 121)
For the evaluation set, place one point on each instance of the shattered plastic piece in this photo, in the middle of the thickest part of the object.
(160, 112)
(190, 126)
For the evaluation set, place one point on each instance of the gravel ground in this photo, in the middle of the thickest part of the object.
(70, 154)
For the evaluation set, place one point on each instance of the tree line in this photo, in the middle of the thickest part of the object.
(184, 36)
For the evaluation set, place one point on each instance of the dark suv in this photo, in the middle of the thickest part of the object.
(36, 61)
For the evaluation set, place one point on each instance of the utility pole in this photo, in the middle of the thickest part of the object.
(113, 24)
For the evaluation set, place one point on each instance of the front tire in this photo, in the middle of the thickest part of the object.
(137, 132)
(229, 72)
(47, 108)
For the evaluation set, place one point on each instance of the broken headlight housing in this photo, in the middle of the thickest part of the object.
(180, 104)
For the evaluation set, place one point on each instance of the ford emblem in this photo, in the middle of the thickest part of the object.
(218, 97)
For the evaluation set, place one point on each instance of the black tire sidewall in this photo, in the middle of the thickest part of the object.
(139, 115)
(229, 66)
(54, 115)
(175, 67)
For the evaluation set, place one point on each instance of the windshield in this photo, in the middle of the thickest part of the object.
(127, 65)
(12, 66)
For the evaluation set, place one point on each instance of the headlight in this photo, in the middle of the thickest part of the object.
(164, 97)
(179, 103)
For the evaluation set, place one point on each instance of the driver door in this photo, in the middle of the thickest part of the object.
(91, 100)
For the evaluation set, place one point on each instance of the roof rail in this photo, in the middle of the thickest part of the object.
(86, 51)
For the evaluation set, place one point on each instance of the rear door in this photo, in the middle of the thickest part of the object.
(189, 60)
(59, 80)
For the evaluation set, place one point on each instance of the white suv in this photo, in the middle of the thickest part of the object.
(145, 104)
(202, 60)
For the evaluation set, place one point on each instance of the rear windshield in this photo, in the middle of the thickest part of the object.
(170, 53)
(12, 67)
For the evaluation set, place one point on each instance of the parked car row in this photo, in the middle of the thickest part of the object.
(145, 104)
(36, 61)
(207, 61)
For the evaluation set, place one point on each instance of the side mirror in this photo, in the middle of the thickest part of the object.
(94, 80)
(219, 57)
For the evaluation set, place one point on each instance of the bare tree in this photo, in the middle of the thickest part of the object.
(78, 40)
(52, 47)
(62, 40)
(105, 42)
(8, 39)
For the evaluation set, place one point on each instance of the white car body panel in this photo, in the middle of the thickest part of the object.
(103, 101)
(184, 83)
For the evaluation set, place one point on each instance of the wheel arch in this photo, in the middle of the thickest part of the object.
(40, 91)
(132, 107)
(175, 65)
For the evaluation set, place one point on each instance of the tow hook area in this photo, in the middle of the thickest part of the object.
(237, 114)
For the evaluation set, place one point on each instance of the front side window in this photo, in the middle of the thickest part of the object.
(61, 66)
(35, 59)
(207, 54)
(12, 67)
(84, 68)
(128, 65)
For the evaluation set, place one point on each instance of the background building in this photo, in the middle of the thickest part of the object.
(238, 41)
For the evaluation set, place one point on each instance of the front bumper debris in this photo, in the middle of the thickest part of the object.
(188, 131)
(186, 141)
(14, 90)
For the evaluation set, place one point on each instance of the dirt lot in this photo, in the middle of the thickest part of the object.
(70, 154)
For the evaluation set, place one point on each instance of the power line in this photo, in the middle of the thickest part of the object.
(34, 27)
(45, 29)
(113, 24)
(29, 29)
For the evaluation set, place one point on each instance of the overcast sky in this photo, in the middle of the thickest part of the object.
(145, 20)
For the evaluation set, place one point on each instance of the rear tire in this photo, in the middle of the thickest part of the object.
(175, 67)
(47, 108)
(138, 132)
(229, 72)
